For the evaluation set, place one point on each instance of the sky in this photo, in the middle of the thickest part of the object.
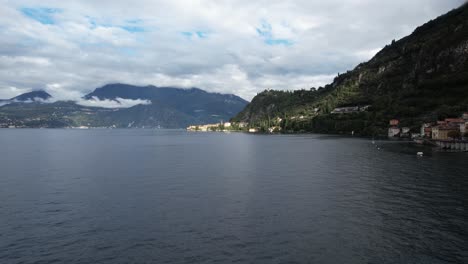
(69, 48)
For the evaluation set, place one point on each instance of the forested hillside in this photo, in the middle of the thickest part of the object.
(421, 77)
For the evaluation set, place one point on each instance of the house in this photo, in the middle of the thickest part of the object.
(274, 129)
(426, 130)
(394, 122)
(454, 120)
(393, 132)
(345, 110)
(435, 132)
(227, 124)
(243, 124)
(405, 132)
(464, 128)
(442, 132)
(465, 116)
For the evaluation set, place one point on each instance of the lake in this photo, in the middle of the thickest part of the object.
(169, 196)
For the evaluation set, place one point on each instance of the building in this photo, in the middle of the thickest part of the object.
(442, 132)
(426, 130)
(208, 127)
(227, 124)
(454, 120)
(274, 129)
(405, 132)
(243, 124)
(393, 132)
(345, 110)
(394, 122)
(464, 128)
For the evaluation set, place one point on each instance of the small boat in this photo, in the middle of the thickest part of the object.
(420, 154)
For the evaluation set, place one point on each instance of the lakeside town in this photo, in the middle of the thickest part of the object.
(450, 133)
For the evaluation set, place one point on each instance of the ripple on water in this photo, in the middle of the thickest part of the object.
(131, 196)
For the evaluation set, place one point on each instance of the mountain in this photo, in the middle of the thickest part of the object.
(192, 101)
(33, 96)
(419, 78)
(169, 108)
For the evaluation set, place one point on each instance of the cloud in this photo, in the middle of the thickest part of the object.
(28, 101)
(35, 100)
(117, 103)
(69, 48)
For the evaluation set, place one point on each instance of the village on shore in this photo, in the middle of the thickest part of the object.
(450, 133)
(223, 127)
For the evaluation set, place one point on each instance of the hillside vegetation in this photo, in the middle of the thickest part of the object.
(421, 77)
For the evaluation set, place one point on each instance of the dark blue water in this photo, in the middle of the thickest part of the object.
(146, 196)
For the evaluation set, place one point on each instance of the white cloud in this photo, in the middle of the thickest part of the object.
(117, 103)
(91, 43)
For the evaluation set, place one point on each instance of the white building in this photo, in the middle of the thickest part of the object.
(464, 128)
(243, 124)
(393, 132)
(405, 130)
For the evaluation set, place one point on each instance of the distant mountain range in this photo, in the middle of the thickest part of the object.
(420, 78)
(165, 107)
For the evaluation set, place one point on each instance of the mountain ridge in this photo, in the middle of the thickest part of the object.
(169, 108)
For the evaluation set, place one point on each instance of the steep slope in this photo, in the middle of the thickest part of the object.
(421, 77)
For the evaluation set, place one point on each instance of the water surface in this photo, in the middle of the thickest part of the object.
(156, 196)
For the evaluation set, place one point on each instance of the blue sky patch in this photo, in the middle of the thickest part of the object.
(186, 34)
(134, 21)
(42, 15)
(265, 32)
(202, 34)
(199, 33)
(133, 29)
(132, 26)
(127, 51)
